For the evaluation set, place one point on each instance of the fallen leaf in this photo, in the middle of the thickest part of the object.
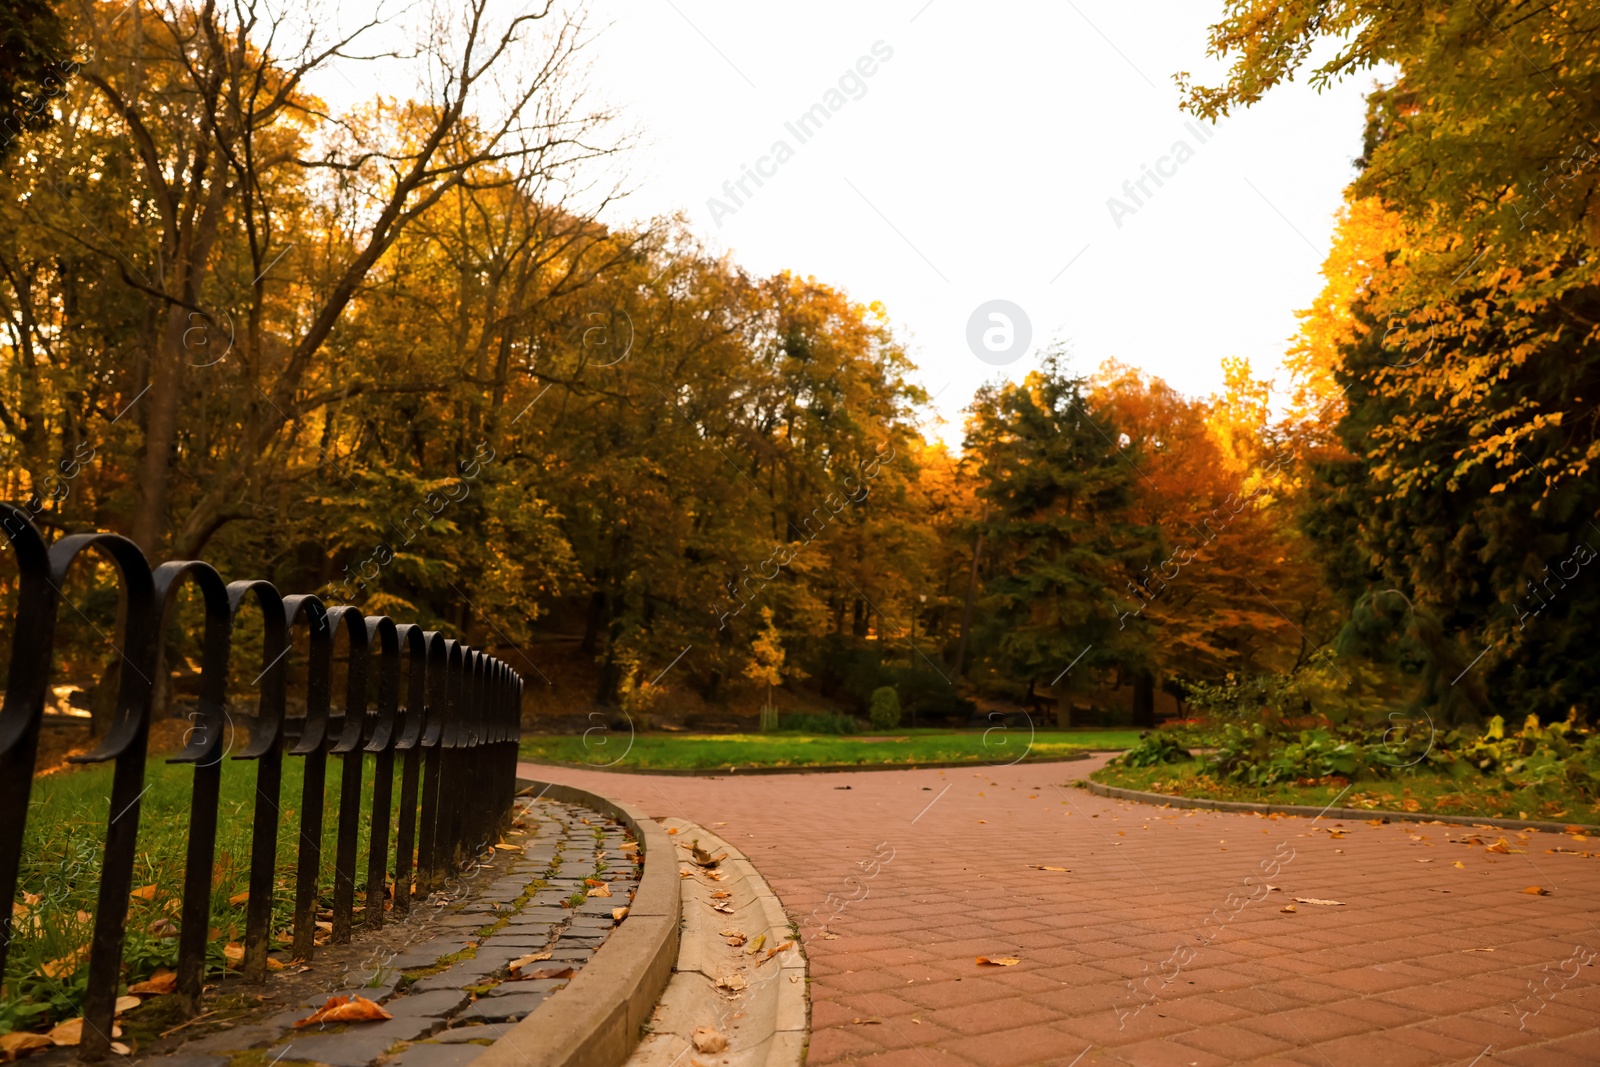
(120, 1049)
(829, 937)
(1042, 867)
(722, 906)
(721, 894)
(618, 914)
(734, 935)
(126, 1003)
(519, 963)
(352, 1009)
(508, 848)
(734, 982)
(1477, 950)
(552, 972)
(1287, 907)
(144, 892)
(1537, 891)
(672, 829)
(233, 952)
(1500, 847)
(708, 1040)
(704, 858)
(14, 1045)
(872, 1021)
(239, 898)
(1316, 900)
(775, 949)
(66, 965)
(1000, 961)
(71, 1032)
(156, 984)
(1458, 863)
(628, 846)
(593, 881)
(756, 943)
(600, 891)
(1411, 804)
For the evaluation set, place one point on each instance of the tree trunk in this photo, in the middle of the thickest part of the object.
(966, 609)
(161, 422)
(1144, 700)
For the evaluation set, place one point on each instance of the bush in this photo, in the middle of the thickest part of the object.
(884, 711)
(1154, 749)
(807, 722)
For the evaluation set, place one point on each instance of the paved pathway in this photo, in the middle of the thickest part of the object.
(1161, 945)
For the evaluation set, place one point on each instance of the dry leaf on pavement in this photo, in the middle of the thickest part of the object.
(708, 1040)
(1499, 846)
(734, 982)
(552, 972)
(775, 949)
(1537, 891)
(1042, 867)
(999, 961)
(1287, 907)
(517, 964)
(756, 943)
(352, 1009)
(735, 936)
(600, 891)
(618, 914)
(1316, 900)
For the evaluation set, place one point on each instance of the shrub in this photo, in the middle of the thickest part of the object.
(807, 722)
(884, 711)
(1154, 749)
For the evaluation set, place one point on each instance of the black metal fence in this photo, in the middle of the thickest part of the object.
(454, 733)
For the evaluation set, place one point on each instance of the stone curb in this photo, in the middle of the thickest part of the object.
(766, 1024)
(596, 1020)
(1163, 800)
(817, 768)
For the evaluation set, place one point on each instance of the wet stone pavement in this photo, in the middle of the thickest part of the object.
(451, 995)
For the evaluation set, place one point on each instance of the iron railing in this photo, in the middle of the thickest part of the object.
(455, 735)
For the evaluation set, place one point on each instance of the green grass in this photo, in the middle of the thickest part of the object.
(67, 815)
(1436, 794)
(785, 749)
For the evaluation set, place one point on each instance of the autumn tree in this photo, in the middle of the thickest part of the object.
(1456, 337)
(1057, 488)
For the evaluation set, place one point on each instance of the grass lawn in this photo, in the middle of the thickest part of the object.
(67, 816)
(1434, 793)
(785, 749)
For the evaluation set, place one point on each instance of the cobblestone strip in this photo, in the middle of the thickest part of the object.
(549, 909)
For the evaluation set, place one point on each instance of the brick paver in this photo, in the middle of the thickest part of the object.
(1162, 944)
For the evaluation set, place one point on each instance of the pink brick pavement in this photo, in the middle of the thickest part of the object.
(1427, 962)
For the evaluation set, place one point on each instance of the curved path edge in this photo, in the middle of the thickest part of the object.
(766, 1021)
(1165, 800)
(809, 768)
(597, 1019)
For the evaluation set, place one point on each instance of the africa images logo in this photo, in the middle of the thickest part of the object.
(806, 126)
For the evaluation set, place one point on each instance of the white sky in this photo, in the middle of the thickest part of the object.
(978, 165)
